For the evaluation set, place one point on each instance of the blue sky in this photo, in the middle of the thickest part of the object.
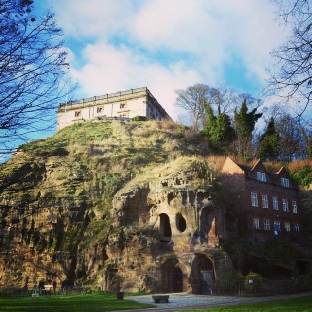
(115, 45)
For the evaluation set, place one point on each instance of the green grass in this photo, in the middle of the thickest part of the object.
(108, 302)
(73, 303)
(302, 304)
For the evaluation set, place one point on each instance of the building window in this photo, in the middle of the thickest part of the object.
(99, 109)
(275, 203)
(266, 225)
(265, 203)
(285, 205)
(296, 227)
(285, 182)
(254, 199)
(294, 206)
(261, 176)
(77, 113)
(277, 227)
(122, 105)
(287, 226)
(256, 225)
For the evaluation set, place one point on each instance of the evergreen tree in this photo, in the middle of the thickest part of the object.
(269, 143)
(219, 131)
(244, 126)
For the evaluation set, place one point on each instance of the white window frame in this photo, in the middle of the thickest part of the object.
(285, 182)
(265, 202)
(294, 206)
(266, 225)
(285, 205)
(254, 199)
(296, 227)
(275, 203)
(287, 226)
(261, 176)
(256, 223)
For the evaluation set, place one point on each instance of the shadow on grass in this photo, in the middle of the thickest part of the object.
(74, 303)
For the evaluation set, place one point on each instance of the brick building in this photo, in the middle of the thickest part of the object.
(123, 105)
(266, 204)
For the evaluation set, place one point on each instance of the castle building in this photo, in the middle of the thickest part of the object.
(120, 105)
(266, 204)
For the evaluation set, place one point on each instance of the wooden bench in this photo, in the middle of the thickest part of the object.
(161, 298)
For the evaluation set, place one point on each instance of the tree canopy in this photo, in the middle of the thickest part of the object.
(193, 99)
(291, 77)
(32, 71)
(245, 125)
(269, 143)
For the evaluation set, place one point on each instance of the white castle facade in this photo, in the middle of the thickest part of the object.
(120, 105)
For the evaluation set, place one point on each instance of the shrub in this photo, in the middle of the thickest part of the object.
(253, 283)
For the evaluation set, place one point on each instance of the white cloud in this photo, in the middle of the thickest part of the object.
(119, 42)
(124, 70)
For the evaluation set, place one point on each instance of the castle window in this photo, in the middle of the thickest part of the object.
(296, 227)
(254, 199)
(285, 182)
(266, 225)
(261, 176)
(265, 203)
(256, 225)
(294, 206)
(99, 109)
(122, 105)
(285, 205)
(287, 226)
(77, 113)
(275, 203)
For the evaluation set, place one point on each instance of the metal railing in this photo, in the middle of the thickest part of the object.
(108, 96)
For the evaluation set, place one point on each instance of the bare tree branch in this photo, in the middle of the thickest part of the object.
(291, 77)
(33, 69)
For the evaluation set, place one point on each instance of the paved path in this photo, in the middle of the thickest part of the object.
(183, 301)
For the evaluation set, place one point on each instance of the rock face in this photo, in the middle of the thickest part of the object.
(179, 250)
(121, 208)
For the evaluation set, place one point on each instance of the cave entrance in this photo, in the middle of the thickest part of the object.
(172, 277)
(202, 274)
(164, 228)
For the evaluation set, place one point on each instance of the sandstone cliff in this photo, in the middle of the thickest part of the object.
(132, 205)
(82, 206)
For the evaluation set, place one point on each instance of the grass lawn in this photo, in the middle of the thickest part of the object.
(302, 304)
(73, 303)
(108, 302)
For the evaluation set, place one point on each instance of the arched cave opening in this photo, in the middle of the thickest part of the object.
(202, 275)
(264, 267)
(180, 222)
(165, 228)
(172, 277)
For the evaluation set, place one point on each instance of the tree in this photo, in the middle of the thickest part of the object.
(269, 143)
(222, 99)
(291, 140)
(193, 100)
(219, 131)
(32, 71)
(292, 75)
(244, 126)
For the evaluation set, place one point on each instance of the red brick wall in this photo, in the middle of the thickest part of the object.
(241, 183)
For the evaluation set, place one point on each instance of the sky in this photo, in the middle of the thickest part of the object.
(165, 45)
